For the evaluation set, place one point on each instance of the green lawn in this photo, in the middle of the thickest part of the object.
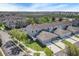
(35, 46)
(36, 54)
(48, 51)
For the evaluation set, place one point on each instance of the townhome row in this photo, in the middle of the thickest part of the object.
(47, 32)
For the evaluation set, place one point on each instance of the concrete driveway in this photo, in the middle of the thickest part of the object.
(77, 34)
(71, 40)
(53, 47)
(60, 44)
(75, 38)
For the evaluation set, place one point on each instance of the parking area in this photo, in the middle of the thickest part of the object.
(9, 47)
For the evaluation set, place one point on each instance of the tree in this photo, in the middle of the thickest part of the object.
(2, 27)
(60, 19)
(71, 49)
(31, 20)
(18, 34)
(53, 18)
(48, 51)
(44, 19)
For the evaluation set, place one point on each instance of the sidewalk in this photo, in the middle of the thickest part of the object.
(2, 52)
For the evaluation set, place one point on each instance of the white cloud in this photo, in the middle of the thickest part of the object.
(8, 7)
(38, 7)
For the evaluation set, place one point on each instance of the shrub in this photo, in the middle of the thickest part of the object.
(2, 27)
(71, 50)
(48, 52)
(18, 34)
(35, 46)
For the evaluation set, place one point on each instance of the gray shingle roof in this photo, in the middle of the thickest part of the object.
(61, 31)
(47, 25)
(73, 29)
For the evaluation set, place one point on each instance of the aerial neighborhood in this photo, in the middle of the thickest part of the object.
(39, 34)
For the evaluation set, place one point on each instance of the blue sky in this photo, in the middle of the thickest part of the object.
(39, 7)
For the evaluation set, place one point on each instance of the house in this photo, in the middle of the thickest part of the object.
(62, 33)
(10, 24)
(46, 37)
(34, 29)
(74, 30)
(75, 22)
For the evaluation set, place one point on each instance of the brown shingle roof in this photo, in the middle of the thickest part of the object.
(46, 36)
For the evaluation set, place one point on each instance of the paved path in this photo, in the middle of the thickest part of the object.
(61, 53)
(2, 52)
